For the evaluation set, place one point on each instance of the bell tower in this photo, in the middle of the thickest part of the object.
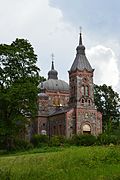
(88, 120)
(81, 80)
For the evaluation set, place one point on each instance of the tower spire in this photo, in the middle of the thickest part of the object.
(81, 62)
(52, 68)
(80, 38)
(52, 56)
(80, 48)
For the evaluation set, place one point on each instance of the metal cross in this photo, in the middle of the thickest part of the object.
(52, 55)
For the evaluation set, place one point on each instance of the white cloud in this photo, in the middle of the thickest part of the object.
(44, 26)
(104, 61)
(28, 18)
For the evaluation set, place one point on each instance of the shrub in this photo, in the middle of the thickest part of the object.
(87, 140)
(20, 144)
(106, 139)
(16, 144)
(74, 140)
(39, 140)
(83, 140)
(57, 141)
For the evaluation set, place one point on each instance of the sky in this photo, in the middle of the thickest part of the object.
(52, 26)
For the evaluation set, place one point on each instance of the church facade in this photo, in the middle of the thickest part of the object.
(69, 109)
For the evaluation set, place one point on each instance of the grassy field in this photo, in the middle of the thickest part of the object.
(74, 163)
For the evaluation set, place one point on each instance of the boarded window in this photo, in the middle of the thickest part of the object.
(86, 127)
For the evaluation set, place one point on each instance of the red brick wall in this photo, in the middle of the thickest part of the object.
(41, 124)
(57, 125)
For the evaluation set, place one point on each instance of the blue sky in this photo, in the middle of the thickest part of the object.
(52, 26)
(99, 17)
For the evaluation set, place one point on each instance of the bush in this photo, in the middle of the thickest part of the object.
(106, 139)
(57, 141)
(16, 144)
(83, 140)
(39, 140)
(74, 140)
(20, 144)
(87, 140)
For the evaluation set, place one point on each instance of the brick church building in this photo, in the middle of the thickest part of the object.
(69, 109)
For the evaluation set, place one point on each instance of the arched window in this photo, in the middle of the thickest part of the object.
(89, 102)
(83, 90)
(82, 102)
(86, 129)
(87, 91)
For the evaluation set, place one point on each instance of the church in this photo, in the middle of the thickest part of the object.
(68, 109)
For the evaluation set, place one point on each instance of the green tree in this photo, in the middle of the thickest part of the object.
(107, 102)
(19, 77)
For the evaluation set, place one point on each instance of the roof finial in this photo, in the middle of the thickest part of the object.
(80, 40)
(52, 56)
(80, 29)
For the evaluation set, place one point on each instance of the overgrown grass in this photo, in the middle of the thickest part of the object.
(44, 149)
(74, 163)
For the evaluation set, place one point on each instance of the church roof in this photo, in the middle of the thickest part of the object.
(60, 110)
(55, 84)
(81, 62)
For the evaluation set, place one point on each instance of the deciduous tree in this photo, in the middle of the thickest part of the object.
(107, 102)
(19, 77)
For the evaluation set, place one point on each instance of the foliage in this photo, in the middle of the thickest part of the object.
(19, 77)
(57, 141)
(71, 163)
(116, 131)
(20, 144)
(39, 140)
(107, 102)
(41, 79)
(17, 61)
(83, 140)
(107, 139)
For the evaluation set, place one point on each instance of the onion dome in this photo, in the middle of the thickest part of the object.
(81, 62)
(53, 83)
(52, 74)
